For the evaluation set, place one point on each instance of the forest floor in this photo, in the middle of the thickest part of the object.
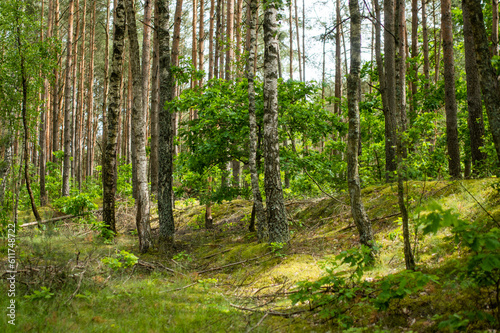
(223, 280)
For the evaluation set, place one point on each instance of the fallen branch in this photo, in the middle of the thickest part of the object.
(260, 322)
(65, 217)
(272, 313)
(213, 255)
(386, 217)
(77, 288)
(232, 264)
(154, 266)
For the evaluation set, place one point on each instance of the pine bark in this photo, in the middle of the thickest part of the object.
(80, 115)
(259, 211)
(494, 27)
(109, 158)
(194, 50)
(90, 98)
(229, 39)
(166, 149)
(449, 91)
(298, 39)
(68, 103)
(55, 88)
(489, 81)
(276, 214)
(290, 32)
(425, 44)
(360, 218)
(211, 41)
(338, 62)
(474, 102)
(201, 39)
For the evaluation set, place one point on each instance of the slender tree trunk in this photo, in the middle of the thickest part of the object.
(494, 28)
(90, 101)
(109, 158)
(239, 13)
(229, 39)
(139, 133)
(378, 57)
(401, 128)
(153, 160)
(146, 57)
(425, 44)
(338, 62)
(55, 88)
(250, 69)
(68, 103)
(211, 41)
(414, 52)
(474, 103)
(24, 106)
(194, 50)
(298, 39)
(166, 149)
(80, 171)
(175, 61)
(218, 40)
(6, 166)
(437, 45)
(276, 214)
(106, 79)
(390, 87)
(304, 38)
(489, 81)
(42, 134)
(360, 218)
(449, 91)
(201, 40)
(74, 84)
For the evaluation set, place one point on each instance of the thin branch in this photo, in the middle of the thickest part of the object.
(321, 189)
(480, 205)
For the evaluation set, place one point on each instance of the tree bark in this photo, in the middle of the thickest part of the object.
(489, 81)
(211, 41)
(166, 149)
(425, 44)
(194, 50)
(276, 214)
(298, 39)
(360, 218)
(201, 40)
(55, 89)
(229, 39)
(68, 103)
(401, 129)
(390, 88)
(290, 32)
(153, 159)
(449, 91)
(474, 102)
(138, 125)
(80, 171)
(259, 211)
(90, 96)
(494, 28)
(109, 158)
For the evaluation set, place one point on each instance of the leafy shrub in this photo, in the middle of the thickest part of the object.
(123, 259)
(75, 205)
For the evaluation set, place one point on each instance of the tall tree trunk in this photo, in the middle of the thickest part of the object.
(494, 27)
(425, 44)
(146, 57)
(106, 79)
(80, 171)
(139, 133)
(24, 115)
(338, 61)
(175, 62)
(229, 39)
(414, 53)
(437, 44)
(378, 57)
(211, 41)
(401, 128)
(489, 81)
(360, 218)
(390, 87)
(298, 39)
(166, 149)
(218, 29)
(194, 50)
(239, 13)
(153, 160)
(90, 96)
(276, 214)
(42, 157)
(474, 103)
(449, 91)
(55, 89)
(109, 157)
(201, 42)
(304, 38)
(68, 103)
(74, 84)
(260, 214)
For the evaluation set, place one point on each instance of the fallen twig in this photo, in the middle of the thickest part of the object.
(59, 218)
(77, 287)
(272, 313)
(321, 189)
(213, 255)
(260, 322)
